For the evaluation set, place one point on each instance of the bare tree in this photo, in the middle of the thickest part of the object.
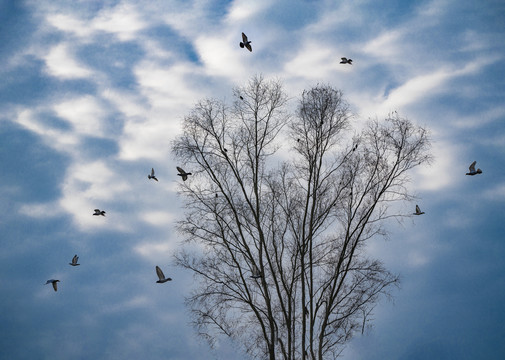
(278, 250)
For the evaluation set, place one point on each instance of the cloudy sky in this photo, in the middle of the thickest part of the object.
(92, 93)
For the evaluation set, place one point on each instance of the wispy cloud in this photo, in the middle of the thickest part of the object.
(61, 63)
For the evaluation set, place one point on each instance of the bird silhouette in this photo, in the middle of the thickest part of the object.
(472, 170)
(183, 174)
(75, 259)
(418, 211)
(161, 276)
(99, 212)
(54, 282)
(346, 61)
(245, 42)
(151, 176)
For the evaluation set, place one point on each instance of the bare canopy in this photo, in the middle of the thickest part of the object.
(279, 260)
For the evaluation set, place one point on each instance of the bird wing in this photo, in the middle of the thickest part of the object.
(180, 170)
(344, 59)
(472, 167)
(152, 172)
(248, 46)
(97, 211)
(244, 38)
(75, 259)
(55, 286)
(417, 209)
(160, 274)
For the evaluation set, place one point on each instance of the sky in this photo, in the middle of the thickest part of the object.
(93, 93)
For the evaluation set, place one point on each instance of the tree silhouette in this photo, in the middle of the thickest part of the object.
(278, 255)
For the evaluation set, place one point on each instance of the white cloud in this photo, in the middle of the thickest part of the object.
(241, 10)
(314, 61)
(385, 46)
(123, 20)
(92, 185)
(61, 63)
(71, 24)
(41, 211)
(158, 218)
(444, 170)
(130, 104)
(155, 250)
(221, 59)
(85, 113)
(473, 121)
(55, 138)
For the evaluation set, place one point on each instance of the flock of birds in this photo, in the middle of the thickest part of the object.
(256, 273)
(97, 212)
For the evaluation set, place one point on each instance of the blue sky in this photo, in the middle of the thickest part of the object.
(92, 93)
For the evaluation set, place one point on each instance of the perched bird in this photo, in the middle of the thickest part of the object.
(54, 282)
(241, 98)
(256, 273)
(418, 211)
(99, 212)
(472, 169)
(161, 276)
(75, 259)
(245, 42)
(355, 147)
(346, 61)
(151, 176)
(183, 174)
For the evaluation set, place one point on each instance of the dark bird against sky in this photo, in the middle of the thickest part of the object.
(152, 176)
(418, 211)
(75, 259)
(161, 276)
(245, 42)
(54, 282)
(183, 173)
(472, 170)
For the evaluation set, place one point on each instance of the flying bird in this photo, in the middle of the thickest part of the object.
(256, 273)
(346, 61)
(418, 211)
(472, 169)
(75, 259)
(161, 276)
(151, 176)
(245, 42)
(99, 212)
(54, 282)
(183, 174)
(241, 97)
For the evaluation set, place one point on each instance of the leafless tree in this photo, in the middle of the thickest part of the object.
(278, 250)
